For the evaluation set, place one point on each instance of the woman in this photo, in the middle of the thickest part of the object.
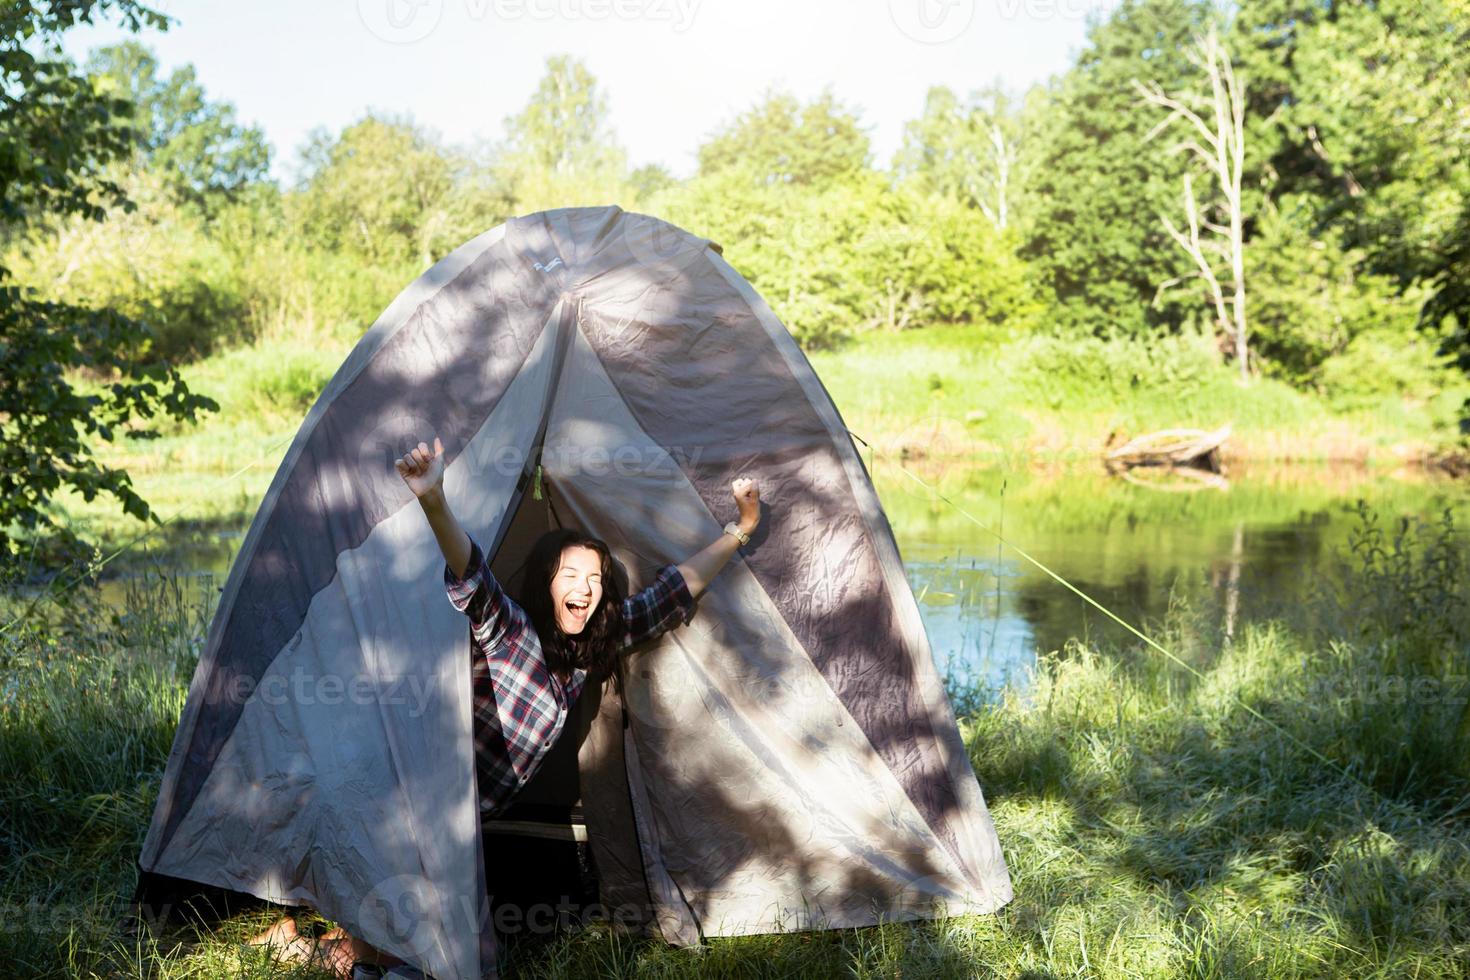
(531, 659)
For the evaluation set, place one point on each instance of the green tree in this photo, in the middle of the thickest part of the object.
(67, 371)
(782, 141)
(386, 192)
(1092, 232)
(559, 150)
(1363, 106)
(648, 180)
(193, 142)
(972, 150)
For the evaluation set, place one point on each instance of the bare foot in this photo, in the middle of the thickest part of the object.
(335, 952)
(285, 942)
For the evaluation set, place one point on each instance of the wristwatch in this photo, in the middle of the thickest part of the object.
(741, 536)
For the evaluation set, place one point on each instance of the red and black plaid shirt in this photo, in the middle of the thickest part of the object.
(519, 705)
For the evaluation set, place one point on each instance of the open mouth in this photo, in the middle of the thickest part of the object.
(577, 609)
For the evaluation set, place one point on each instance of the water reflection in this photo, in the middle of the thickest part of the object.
(1255, 551)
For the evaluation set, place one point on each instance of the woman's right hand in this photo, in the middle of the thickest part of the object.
(422, 468)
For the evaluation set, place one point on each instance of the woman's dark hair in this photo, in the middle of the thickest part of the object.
(595, 649)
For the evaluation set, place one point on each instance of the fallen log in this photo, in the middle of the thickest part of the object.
(1196, 449)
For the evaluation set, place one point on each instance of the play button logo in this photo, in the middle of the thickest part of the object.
(400, 21)
(932, 21)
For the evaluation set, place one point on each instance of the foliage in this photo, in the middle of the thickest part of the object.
(559, 151)
(1363, 108)
(192, 142)
(385, 192)
(157, 262)
(973, 151)
(1093, 233)
(57, 135)
(1311, 296)
(781, 141)
(853, 253)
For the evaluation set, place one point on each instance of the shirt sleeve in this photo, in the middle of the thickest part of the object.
(659, 607)
(478, 595)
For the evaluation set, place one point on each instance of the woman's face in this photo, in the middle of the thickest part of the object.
(576, 588)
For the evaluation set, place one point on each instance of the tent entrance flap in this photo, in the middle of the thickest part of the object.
(581, 791)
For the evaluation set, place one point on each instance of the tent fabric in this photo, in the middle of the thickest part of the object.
(786, 760)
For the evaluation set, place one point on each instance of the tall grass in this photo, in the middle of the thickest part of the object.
(1153, 826)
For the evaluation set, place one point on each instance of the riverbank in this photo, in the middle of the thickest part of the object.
(942, 394)
(1292, 804)
(1039, 403)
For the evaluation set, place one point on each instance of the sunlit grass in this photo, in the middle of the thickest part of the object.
(1251, 816)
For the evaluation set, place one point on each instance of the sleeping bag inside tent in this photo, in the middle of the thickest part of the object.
(786, 759)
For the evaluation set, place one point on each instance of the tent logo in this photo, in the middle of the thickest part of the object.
(548, 266)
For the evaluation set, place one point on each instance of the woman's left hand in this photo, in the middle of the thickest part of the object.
(748, 498)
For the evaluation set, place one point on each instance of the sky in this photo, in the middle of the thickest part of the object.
(673, 71)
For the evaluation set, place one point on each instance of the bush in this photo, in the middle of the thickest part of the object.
(1063, 368)
(157, 264)
(1380, 364)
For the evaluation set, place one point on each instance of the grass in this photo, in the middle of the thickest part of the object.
(1154, 827)
(1039, 402)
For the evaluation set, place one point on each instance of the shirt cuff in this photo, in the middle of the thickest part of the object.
(679, 589)
(462, 590)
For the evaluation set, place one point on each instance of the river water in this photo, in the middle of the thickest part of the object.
(1261, 548)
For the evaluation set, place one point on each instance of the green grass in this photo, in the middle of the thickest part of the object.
(1154, 824)
(1041, 402)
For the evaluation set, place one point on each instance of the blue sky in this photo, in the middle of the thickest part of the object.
(673, 70)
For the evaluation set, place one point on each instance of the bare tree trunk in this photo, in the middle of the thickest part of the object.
(1223, 155)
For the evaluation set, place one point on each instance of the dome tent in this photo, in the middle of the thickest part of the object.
(786, 759)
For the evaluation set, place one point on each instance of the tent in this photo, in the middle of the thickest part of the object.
(785, 760)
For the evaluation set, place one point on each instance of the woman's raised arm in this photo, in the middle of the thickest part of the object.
(422, 469)
(701, 568)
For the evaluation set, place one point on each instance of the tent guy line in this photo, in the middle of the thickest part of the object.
(1150, 641)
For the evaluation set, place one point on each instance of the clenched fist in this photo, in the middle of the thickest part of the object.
(422, 468)
(748, 498)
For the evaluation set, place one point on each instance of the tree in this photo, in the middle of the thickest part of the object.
(1090, 234)
(193, 142)
(386, 191)
(58, 133)
(970, 150)
(648, 180)
(560, 150)
(1219, 145)
(1362, 109)
(782, 141)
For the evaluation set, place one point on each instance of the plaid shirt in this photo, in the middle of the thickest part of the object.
(519, 706)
